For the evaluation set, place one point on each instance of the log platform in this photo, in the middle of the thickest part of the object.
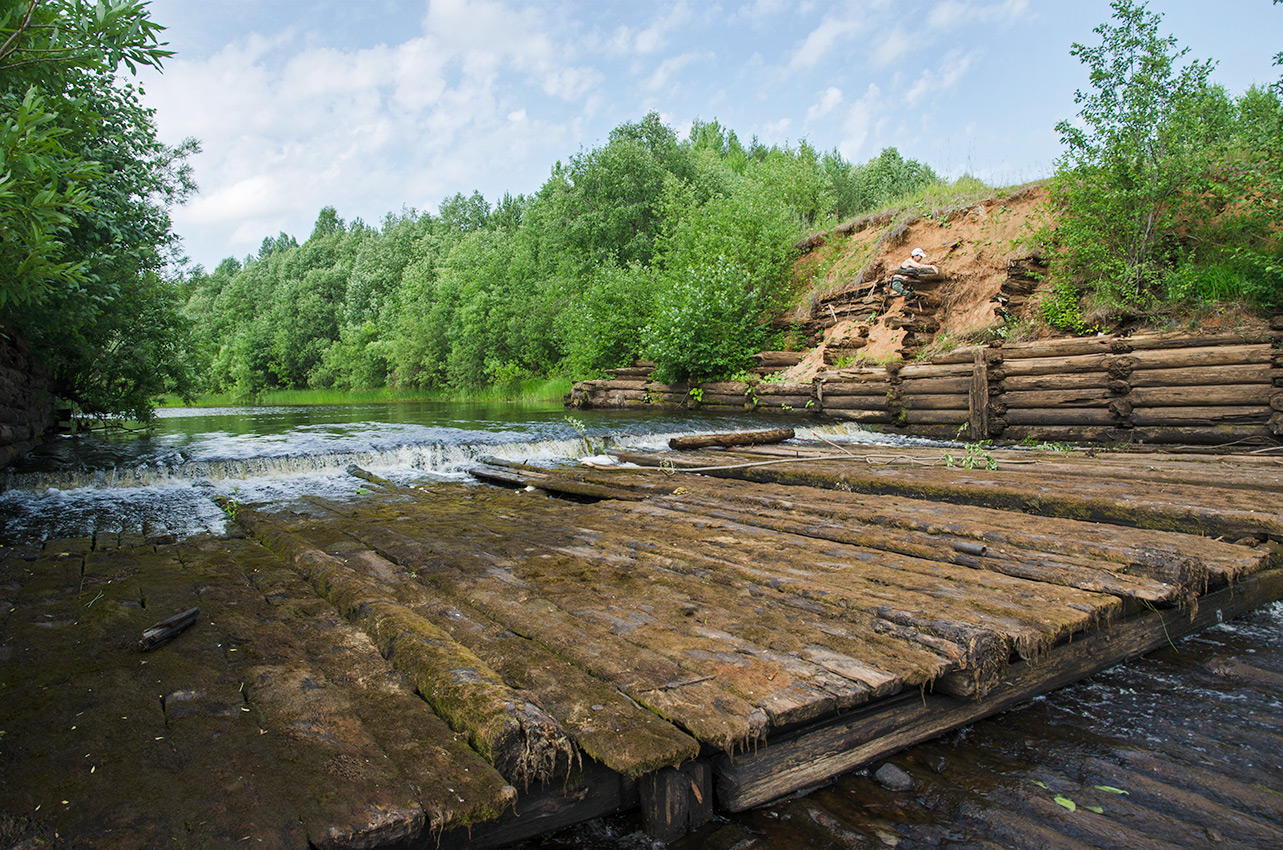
(465, 666)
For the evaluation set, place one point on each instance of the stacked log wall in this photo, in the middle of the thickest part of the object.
(1210, 390)
(26, 398)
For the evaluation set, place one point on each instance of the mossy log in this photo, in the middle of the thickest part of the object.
(791, 389)
(866, 417)
(513, 734)
(855, 402)
(832, 389)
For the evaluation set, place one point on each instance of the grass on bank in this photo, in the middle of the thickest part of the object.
(532, 391)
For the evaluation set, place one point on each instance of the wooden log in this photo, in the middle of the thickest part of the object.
(713, 399)
(856, 374)
(933, 370)
(978, 398)
(740, 438)
(1187, 358)
(728, 388)
(1200, 396)
(928, 386)
(814, 755)
(622, 384)
(936, 417)
(778, 401)
(935, 401)
(676, 800)
(776, 358)
(1069, 433)
(865, 417)
(1155, 342)
(1202, 435)
(958, 355)
(1053, 399)
(1075, 347)
(1201, 416)
(1060, 416)
(784, 388)
(167, 629)
(855, 402)
(1072, 381)
(1252, 373)
(830, 389)
(1276, 401)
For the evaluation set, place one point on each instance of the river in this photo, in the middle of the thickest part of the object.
(163, 482)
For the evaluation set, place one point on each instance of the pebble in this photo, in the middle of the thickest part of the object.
(893, 778)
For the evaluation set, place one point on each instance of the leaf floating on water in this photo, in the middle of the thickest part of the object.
(1110, 789)
(1039, 784)
(1097, 809)
(1066, 803)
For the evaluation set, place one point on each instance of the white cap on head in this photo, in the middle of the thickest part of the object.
(918, 252)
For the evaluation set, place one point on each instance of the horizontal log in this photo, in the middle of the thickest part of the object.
(926, 386)
(1060, 416)
(829, 389)
(855, 402)
(1071, 381)
(1252, 373)
(794, 401)
(934, 402)
(1231, 395)
(1204, 435)
(785, 388)
(1068, 433)
(934, 370)
(1065, 348)
(725, 387)
(958, 355)
(857, 374)
(1185, 358)
(1156, 342)
(866, 417)
(718, 399)
(1196, 416)
(776, 358)
(1088, 397)
(631, 372)
(935, 417)
(739, 438)
(621, 384)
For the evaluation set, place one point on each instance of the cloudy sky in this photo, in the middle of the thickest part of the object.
(374, 106)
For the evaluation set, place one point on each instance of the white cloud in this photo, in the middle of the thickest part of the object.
(860, 120)
(655, 36)
(821, 40)
(953, 13)
(952, 68)
(774, 132)
(828, 101)
(660, 77)
(892, 46)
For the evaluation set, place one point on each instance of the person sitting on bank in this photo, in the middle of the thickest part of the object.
(913, 268)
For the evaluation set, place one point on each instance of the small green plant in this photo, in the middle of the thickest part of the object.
(232, 504)
(593, 446)
(975, 455)
(786, 407)
(697, 395)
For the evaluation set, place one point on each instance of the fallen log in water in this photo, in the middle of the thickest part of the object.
(739, 438)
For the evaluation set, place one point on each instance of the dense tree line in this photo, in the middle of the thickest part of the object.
(85, 185)
(650, 244)
(1170, 190)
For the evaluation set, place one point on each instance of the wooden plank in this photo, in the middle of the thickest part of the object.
(676, 800)
(925, 386)
(1252, 373)
(978, 398)
(814, 756)
(1228, 395)
(1200, 416)
(1072, 381)
(960, 401)
(739, 438)
(1051, 399)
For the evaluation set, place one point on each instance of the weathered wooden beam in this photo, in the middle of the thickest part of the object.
(815, 755)
(738, 438)
(676, 800)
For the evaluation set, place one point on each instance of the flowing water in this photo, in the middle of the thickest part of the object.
(164, 482)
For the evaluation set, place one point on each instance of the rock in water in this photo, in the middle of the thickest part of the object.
(893, 778)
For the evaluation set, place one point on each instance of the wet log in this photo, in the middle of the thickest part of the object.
(740, 438)
(727, 388)
(1071, 434)
(784, 388)
(720, 399)
(866, 417)
(167, 629)
(830, 389)
(516, 736)
(676, 800)
(928, 386)
(813, 756)
(1201, 396)
(936, 417)
(797, 402)
(1059, 416)
(934, 401)
(855, 402)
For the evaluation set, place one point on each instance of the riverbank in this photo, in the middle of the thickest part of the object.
(527, 392)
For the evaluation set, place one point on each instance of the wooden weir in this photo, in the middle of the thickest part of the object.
(471, 665)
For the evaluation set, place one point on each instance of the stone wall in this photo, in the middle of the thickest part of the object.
(26, 398)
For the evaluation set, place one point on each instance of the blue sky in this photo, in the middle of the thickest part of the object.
(372, 106)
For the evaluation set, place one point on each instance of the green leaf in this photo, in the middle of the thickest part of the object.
(1109, 789)
(1097, 809)
(1065, 802)
(1040, 784)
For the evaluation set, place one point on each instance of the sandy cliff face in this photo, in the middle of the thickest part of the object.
(986, 262)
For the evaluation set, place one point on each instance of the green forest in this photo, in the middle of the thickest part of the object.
(680, 250)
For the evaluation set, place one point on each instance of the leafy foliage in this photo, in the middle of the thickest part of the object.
(1167, 182)
(84, 191)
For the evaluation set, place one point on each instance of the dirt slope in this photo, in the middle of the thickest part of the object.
(982, 250)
